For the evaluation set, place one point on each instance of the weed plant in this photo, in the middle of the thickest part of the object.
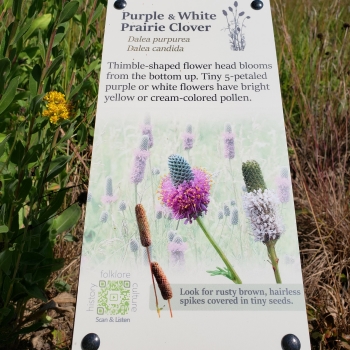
(50, 54)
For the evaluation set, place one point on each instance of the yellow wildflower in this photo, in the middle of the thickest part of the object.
(57, 107)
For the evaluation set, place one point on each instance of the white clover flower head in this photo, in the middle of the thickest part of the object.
(261, 208)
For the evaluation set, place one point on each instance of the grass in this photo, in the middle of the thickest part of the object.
(314, 60)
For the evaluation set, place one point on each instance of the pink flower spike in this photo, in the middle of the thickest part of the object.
(147, 130)
(138, 170)
(229, 145)
(187, 140)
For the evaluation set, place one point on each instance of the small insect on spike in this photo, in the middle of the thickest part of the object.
(142, 222)
(163, 283)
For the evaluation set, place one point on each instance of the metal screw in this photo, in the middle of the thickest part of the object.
(120, 4)
(257, 5)
(90, 342)
(290, 342)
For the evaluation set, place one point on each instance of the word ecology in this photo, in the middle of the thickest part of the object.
(173, 27)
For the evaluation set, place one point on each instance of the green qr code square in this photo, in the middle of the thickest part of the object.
(102, 284)
(113, 298)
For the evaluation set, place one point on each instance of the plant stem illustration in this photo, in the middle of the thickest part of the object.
(235, 27)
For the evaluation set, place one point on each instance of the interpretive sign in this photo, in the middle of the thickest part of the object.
(190, 239)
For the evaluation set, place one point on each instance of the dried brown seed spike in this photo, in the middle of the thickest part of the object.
(163, 284)
(142, 222)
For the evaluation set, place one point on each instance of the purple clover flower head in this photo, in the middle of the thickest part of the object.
(220, 214)
(122, 206)
(147, 130)
(233, 202)
(261, 208)
(187, 139)
(186, 191)
(226, 210)
(283, 189)
(139, 166)
(177, 250)
(155, 171)
(171, 235)
(189, 128)
(229, 142)
(104, 217)
(134, 246)
(180, 170)
(108, 197)
(234, 216)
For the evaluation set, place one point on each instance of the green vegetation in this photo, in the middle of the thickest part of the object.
(313, 48)
(50, 54)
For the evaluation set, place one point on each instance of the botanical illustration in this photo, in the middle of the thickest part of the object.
(191, 198)
(235, 27)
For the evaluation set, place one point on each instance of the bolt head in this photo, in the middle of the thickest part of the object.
(257, 5)
(90, 342)
(120, 4)
(290, 342)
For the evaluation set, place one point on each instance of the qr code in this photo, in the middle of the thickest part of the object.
(113, 298)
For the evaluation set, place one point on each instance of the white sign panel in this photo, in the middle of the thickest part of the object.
(190, 239)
